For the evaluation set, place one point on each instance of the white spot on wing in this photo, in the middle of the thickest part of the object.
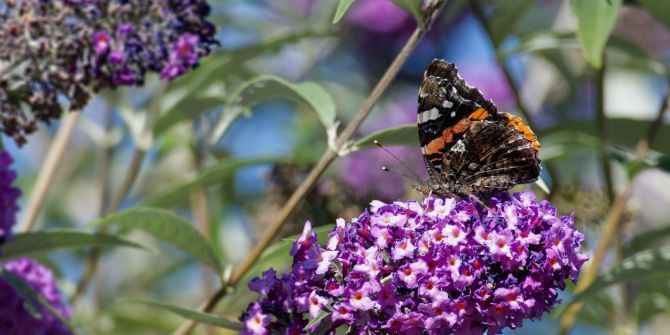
(453, 114)
(431, 114)
(447, 104)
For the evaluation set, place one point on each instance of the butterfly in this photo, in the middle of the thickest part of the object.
(468, 146)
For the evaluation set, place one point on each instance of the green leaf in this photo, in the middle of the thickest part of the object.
(595, 20)
(402, 136)
(39, 242)
(25, 291)
(342, 8)
(267, 87)
(322, 315)
(413, 7)
(187, 313)
(506, 17)
(185, 109)
(200, 90)
(648, 264)
(650, 304)
(660, 9)
(207, 178)
(634, 55)
(31, 298)
(646, 239)
(169, 227)
(620, 131)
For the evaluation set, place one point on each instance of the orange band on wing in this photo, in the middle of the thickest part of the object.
(479, 114)
(434, 146)
(517, 123)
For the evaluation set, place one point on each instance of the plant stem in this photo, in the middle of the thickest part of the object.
(601, 130)
(126, 185)
(516, 92)
(48, 171)
(328, 157)
(611, 223)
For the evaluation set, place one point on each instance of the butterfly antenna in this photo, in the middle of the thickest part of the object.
(414, 176)
(384, 168)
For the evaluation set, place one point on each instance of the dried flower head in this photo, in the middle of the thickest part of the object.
(438, 267)
(14, 317)
(66, 48)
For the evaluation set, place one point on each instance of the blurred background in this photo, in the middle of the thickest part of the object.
(523, 55)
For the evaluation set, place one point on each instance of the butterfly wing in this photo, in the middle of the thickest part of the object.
(492, 156)
(447, 106)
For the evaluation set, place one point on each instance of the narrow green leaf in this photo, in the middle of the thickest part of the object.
(660, 9)
(185, 109)
(24, 291)
(620, 131)
(31, 298)
(342, 8)
(322, 315)
(207, 178)
(647, 264)
(169, 227)
(595, 20)
(187, 313)
(39, 242)
(413, 7)
(267, 87)
(646, 239)
(402, 136)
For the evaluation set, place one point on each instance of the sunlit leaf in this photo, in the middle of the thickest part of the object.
(413, 7)
(193, 93)
(342, 8)
(191, 314)
(31, 298)
(595, 20)
(648, 264)
(168, 227)
(402, 136)
(646, 239)
(659, 9)
(39, 242)
(210, 176)
(267, 87)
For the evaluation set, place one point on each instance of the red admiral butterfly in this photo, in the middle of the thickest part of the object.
(469, 148)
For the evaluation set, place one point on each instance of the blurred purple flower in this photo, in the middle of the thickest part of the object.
(471, 269)
(361, 170)
(14, 317)
(490, 80)
(8, 198)
(379, 16)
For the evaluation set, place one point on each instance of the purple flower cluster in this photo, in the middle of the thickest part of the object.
(15, 318)
(8, 196)
(438, 267)
(65, 48)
